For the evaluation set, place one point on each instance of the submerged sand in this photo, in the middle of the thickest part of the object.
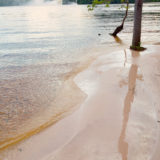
(119, 119)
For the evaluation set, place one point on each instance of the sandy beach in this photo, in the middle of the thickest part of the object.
(118, 120)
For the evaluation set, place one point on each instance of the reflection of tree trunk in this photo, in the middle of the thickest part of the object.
(118, 40)
(120, 28)
(123, 145)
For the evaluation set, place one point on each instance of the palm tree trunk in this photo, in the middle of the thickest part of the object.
(136, 41)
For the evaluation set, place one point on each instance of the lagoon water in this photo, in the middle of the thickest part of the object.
(41, 45)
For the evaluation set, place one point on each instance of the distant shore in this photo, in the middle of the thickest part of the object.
(119, 119)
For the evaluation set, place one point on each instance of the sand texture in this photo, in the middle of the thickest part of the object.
(119, 119)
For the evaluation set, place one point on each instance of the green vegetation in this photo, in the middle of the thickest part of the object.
(107, 2)
(137, 48)
(84, 1)
(112, 1)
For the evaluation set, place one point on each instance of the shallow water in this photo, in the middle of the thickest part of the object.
(41, 45)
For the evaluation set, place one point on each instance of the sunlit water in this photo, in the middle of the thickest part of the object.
(41, 45)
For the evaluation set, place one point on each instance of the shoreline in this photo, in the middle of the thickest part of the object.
(67, 87)
(116, 120)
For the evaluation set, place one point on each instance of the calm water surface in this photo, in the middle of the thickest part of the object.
(41, 45)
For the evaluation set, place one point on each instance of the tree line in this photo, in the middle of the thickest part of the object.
(113, 1)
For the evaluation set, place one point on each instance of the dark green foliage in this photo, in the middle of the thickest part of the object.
(113, 1)
(84, 1)
(137, 48)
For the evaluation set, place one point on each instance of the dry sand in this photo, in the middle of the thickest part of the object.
(117, 121)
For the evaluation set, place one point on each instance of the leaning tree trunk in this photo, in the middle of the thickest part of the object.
(120, 28)
(136, 41)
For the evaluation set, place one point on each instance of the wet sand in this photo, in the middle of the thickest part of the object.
(117, 121)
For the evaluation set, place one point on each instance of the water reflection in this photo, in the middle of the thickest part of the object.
(123, 145)
(118, 40)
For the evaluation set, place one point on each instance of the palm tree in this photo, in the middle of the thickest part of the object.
(136, 41)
